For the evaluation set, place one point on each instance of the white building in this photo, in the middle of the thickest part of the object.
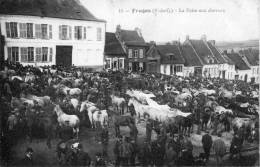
(207, 59)
(52, 32)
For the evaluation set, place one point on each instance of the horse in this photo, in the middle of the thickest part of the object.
(184, 123)
(120, 120)
(67, 120)
(99, 117)
(118, 103)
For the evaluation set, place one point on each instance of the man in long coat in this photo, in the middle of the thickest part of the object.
(219, 148)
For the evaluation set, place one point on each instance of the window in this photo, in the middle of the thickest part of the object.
(99, 34)
(50, 56)
(38, 54)
(30, 54)
(44, 31)
(108, 63)
(13, 54)
(24, 54)
(29, 30)
(141, 66)
(78, 32)
(130, 66)
(178, 68)
(44, 54)
(8, 30)
(136, 54)
(257, 70)
(141, 52)
(23, 30)
(130, 53)
(11, 30)
(121, 63)
(50, 31)
(38, 31)
(65, 32)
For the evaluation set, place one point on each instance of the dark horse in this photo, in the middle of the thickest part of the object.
(120, 120)
(184, 123)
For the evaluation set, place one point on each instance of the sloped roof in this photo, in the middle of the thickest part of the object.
(132, 38)
(202, 50)
(190, 56)
(113, 46)
(170, 54)
(65, 9)
(215, 52)
(228, 60)
(252, 56)
(152, 51)
(239, 62)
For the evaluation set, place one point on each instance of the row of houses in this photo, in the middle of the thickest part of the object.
(127, 49)
(64, 32)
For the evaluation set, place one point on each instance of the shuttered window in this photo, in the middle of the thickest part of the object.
(24, 54)
(29, 30)
(44, 31)
(78, 33)
(50, 31)
(13, 54)
(30, 54)
(8, 30)
(14, 31)
(38, 31)
(130, 53)
(38, 54)
(50, 56)
(65, 32)
(44, 54)
(23, 30)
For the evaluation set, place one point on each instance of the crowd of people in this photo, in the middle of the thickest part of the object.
(18, 82)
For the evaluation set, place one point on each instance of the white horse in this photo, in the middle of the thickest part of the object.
(95, 114)
(67, 120)
(118, 103)
(99, 117)
(220, 110)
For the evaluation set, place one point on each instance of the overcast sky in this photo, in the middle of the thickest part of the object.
(235, 20)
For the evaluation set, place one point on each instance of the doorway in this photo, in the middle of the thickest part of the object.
(64, 55)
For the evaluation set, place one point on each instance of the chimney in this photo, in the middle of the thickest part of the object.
(213, 42)
(187, 37)
(138, 30)
(118, 28)
(204, 37)
(152, 42)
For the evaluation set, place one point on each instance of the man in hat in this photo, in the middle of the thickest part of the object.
(27, 160)
(207, 143)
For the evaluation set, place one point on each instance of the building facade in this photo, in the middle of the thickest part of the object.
(115, 53)
(153, 58)
(172, 62)
(42, 38)
(135, 46)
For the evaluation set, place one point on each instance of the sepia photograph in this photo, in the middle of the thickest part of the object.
(115, 83)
